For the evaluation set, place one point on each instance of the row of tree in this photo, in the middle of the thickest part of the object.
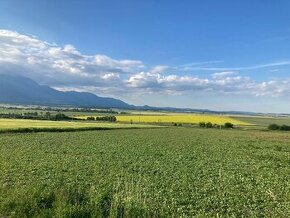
(36, 116)
(64, 109)
(279, 127)
(104, 118)
(211, 125)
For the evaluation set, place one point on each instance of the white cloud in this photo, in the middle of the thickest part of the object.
(110, 76)
(159, 69)
(254, 67)
(67, 68)
(49, 63)
(223, 74)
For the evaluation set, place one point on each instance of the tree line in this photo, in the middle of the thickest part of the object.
(211, 125)
(103, 118)
(37, 116)
(64, 109)
(279, 127)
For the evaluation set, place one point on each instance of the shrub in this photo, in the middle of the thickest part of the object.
(91, 118)
(202, 124)
(273, 127)
(285, 128)
(277, 127)
(208, 125)
(228, 125)
(60, 116)
(107, 118)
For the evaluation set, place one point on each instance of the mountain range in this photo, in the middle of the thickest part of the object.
(15, 89)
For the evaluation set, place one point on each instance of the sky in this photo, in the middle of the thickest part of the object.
(206, 54)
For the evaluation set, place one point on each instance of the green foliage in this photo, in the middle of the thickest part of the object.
(91, 118)
(208, 125)
(36, 116)
(228, 125)
(165, 172)
(61, 116)
(107, 118)
(202, 124)
(277, 127)
(285, 128)
(273, 127)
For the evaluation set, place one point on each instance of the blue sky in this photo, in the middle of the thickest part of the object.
(223, 55)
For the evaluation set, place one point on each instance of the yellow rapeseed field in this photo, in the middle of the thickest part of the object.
(180, 119)
(177, 118)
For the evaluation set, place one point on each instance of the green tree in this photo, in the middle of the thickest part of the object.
(208, 125)
(228, 125)
(202, 124)
(273, 126)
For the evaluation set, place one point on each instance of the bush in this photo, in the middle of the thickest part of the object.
(208, 125)
(202, 124)
(285, 128)
(91, 118)
(228, 125)
(107, 118)
(273, 127)
(277, 127)
(60, 116)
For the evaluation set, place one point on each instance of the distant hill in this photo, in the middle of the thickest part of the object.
(15, 89)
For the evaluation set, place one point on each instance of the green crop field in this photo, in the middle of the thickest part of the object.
(164, 172)
(263, 120)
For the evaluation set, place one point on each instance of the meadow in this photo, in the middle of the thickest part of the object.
(163, 172)
(264, 120)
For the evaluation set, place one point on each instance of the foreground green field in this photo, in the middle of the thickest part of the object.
(167, 172)
(15, 124)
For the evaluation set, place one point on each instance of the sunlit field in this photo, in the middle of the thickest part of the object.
(177, 118)
(161, 172)
(180, 119)
(6, 124)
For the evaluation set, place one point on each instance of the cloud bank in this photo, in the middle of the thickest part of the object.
(67, 68)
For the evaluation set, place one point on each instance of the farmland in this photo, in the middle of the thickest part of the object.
(164, 172)
(16, 124)
(264, 120)
(176, 118)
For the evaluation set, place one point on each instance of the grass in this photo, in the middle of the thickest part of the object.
(164, 172)
(18, 125)
(264, 121)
